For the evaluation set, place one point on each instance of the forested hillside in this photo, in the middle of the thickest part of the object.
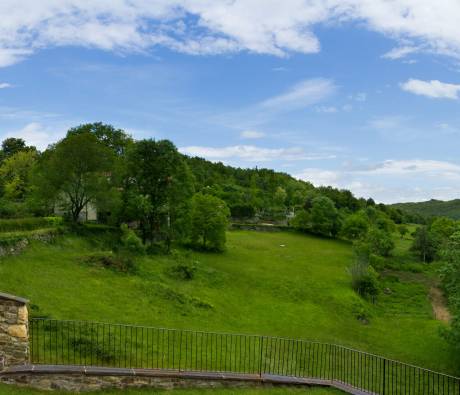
(432, 208)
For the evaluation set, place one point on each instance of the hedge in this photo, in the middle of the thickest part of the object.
(20, 224)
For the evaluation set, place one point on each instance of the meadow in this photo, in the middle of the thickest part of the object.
(269, 283)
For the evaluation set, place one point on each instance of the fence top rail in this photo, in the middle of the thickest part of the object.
(399, 362)
(255, 336)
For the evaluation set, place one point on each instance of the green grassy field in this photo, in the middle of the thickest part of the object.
(280, 284)
(12, 390)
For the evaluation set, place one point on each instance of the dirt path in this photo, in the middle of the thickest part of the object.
(438, 301)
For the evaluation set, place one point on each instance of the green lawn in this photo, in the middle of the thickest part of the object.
(280, 283)
(13, 390)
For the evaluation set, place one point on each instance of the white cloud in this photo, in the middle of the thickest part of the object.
(9, 56)
(220, 26)
(319, 177)
(4, 85)
(433, 89)
(303, 94)
(392, 181)
(400, 52)
(252, 153)
(252, 134)
(429, 168)
(37, 135)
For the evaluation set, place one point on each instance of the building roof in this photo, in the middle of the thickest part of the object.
(14, 298)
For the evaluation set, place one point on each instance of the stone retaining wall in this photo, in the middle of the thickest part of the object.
(87, 378)
(14, 331)
(83, 383)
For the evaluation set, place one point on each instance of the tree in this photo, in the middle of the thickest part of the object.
(402, 229)
(280, 197)
(380, 242)
(158, 178)
(11, 146)
(424, 244)
(441, 229)
(302, 220)
(355, 226)
(115, 139)
(324, 217)
(75, 172)
(15, 174)
(450, 276)
(209, 221)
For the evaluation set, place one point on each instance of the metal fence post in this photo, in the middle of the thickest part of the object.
(334, 354)
(261, 343)
(384, 376)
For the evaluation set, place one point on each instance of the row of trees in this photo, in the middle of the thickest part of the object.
(143, 182)
(150, 183)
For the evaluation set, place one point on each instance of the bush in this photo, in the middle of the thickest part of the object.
(364, 279)
(130, 241)
(183, 271)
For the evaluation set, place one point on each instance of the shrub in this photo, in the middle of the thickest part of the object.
(130, 241)
(21, 224)
(301, 221)
(361, 312)
(183, 271)
(364, 279)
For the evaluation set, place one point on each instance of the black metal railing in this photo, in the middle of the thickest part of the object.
(127, 346)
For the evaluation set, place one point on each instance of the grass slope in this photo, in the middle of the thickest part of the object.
(433, 208)
(281, 284)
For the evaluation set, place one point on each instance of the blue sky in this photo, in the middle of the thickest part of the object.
(355, 94)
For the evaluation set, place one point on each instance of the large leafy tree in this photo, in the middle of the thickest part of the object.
(118, 141)
(75, 172)
(115, 139)
(209, 221)
(355, 226)
(380, 241)
(324, 217)
(12, 145)
(158, 191)
(15, 174)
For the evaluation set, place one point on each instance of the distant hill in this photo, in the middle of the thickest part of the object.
(431, 208)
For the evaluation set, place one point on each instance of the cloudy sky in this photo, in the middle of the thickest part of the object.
(358, 94)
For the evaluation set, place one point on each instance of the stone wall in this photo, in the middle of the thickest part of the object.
(83, 383)
(86, 378)
(14, 331)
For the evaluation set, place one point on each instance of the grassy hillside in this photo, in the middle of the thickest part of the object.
(282, 284)
(432, 208)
